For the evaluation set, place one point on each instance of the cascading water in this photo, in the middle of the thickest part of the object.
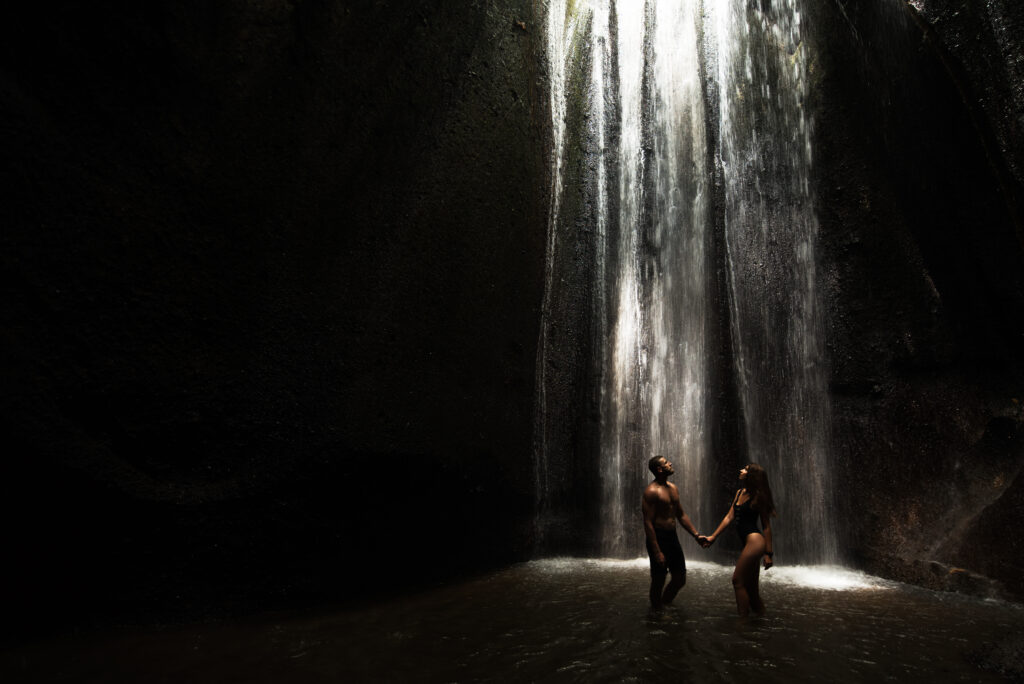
(653, 398)
(677, 250)
(563, 38)
(622, 399)
(651, 66)
(770, 235)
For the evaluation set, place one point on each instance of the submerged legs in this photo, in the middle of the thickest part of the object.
(659, 597)
(745, 577)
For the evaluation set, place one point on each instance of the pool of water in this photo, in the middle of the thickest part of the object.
(569, 620)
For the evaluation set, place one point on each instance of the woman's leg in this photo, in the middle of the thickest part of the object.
(744, 577)
(754, 590)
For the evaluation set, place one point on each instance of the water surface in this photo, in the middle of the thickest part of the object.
(571, 620)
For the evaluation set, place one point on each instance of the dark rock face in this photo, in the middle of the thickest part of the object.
(272, 276)
(921, 239)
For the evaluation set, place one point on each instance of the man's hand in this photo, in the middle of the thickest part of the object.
(660, 557)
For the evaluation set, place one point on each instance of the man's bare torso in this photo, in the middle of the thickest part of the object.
(663, 500)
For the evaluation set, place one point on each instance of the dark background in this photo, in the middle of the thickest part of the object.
(272, 277)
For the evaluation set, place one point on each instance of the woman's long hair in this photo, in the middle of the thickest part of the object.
(759, 490)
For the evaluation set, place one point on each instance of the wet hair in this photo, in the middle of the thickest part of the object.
(759, 490)
(655, 463)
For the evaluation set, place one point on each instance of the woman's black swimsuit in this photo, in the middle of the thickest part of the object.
(746, 519)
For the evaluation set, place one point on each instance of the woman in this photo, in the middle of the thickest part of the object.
(752, 501)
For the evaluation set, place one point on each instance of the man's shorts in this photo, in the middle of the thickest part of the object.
(675, 561)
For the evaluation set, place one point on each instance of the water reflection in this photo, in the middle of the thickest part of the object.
(568, 620)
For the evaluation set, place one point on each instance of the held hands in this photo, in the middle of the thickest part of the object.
(705, 541)
(768, 562)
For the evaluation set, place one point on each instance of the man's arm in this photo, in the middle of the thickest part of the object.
(684, 519)
(652, 539)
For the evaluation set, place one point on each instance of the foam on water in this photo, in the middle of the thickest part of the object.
(824, 577)
(829, 577)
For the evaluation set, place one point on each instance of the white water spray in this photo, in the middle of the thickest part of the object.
(653, 266)
(771, 233)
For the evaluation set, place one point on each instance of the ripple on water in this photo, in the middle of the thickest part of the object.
(568, 620)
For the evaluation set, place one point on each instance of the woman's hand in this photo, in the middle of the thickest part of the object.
(768, 562)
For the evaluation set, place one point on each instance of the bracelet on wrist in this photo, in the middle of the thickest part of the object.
(769, 554)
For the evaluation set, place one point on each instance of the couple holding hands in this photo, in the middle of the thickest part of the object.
(662, 508)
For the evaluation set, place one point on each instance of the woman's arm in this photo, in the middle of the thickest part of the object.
(725, 521)
(766, 525)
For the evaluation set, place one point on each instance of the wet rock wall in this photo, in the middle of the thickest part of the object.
(918, 194)
(272, 274)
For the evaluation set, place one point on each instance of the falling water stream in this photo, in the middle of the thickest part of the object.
(770, 230)
(705, 97)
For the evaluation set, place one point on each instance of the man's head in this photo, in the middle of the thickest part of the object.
(660, 465)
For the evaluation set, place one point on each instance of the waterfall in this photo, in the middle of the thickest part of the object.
(622, 399)
(563, 40)
(679, 274)
(770, 235)
(653, 395)
(650, 68)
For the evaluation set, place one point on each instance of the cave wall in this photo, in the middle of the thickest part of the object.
(918, 188)
(272, 273)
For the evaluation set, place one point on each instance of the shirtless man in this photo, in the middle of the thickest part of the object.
(661, 510)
